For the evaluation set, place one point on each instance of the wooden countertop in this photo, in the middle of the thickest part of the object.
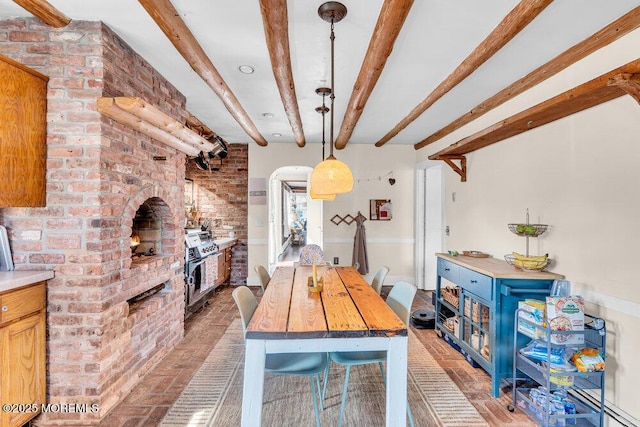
(497, 268)
(10, 280)
(225, 242)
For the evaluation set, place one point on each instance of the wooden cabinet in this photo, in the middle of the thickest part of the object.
(23, 133)
(22, 354)
(224, 266)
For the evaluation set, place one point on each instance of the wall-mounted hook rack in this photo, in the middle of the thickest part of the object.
(347, 219)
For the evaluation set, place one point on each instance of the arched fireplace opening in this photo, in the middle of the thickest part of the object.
(148, 227)
(146, 232)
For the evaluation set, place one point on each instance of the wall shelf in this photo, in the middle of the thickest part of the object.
(621, 81)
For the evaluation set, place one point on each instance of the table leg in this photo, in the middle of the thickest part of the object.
(253, 384)
(397, 382)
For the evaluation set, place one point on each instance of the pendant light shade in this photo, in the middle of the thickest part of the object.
(315, 196)
(331, 176)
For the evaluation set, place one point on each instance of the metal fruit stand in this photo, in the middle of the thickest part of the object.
(528, 230)
(583, 392)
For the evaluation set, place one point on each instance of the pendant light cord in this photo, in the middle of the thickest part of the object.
(324, 111)
(332, 96)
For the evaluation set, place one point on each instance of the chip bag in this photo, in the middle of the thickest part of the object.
(588, 360)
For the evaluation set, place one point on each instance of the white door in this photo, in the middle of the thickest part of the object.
(314, 220)
(429, 223)
(275, 235)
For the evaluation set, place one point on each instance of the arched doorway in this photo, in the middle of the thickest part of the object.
(287, 193)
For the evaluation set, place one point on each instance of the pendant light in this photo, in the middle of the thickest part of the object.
(332, 176)
(322, 91)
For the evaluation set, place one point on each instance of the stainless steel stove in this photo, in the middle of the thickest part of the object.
(199, 246)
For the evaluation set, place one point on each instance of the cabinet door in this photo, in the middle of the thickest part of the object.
(227, 263)
(23, 367)
(23, 132)
(222, 268)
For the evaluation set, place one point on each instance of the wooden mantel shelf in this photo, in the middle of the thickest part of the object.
(621, 81)
(148, 119)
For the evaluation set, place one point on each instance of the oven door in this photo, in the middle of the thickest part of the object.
(192, 267)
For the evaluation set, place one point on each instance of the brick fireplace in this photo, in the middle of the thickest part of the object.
(101, 337)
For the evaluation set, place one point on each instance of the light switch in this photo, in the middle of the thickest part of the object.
(260, 222)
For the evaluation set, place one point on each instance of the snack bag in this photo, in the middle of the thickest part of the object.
(588, 360)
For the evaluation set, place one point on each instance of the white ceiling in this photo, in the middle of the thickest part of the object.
(436, 37)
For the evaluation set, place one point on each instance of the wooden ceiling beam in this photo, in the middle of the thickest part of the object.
(169, 21)
(521, 15)
(618, 28)
(276, 31)
(45, 12)
(614, 84)
(390, 21)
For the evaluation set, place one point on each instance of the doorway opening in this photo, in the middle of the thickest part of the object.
(295, 219)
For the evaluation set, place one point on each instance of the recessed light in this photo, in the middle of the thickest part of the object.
(246, 69)
(277, 134)
(268, 115)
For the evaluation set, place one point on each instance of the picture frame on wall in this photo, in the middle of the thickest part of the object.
(380, 210)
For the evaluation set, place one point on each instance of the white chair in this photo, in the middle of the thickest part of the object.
(399, 300)
(264, 276)
(311, 364)
(378, 279)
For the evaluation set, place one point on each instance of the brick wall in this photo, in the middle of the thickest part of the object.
(223, 196)
(98, 174)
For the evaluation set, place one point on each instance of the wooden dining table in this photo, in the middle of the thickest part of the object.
(348, 315)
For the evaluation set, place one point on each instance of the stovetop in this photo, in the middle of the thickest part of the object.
(200, 244)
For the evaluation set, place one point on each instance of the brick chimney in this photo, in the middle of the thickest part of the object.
(100, 343)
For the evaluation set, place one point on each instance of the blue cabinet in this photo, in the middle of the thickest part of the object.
(480, 296)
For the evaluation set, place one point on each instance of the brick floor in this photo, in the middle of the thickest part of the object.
(149, 400)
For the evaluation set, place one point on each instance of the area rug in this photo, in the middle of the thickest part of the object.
(214, 396)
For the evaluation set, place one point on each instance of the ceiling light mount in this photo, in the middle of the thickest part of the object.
(332, 11)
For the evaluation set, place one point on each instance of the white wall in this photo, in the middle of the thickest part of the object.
(389, 242)
(580, 176)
